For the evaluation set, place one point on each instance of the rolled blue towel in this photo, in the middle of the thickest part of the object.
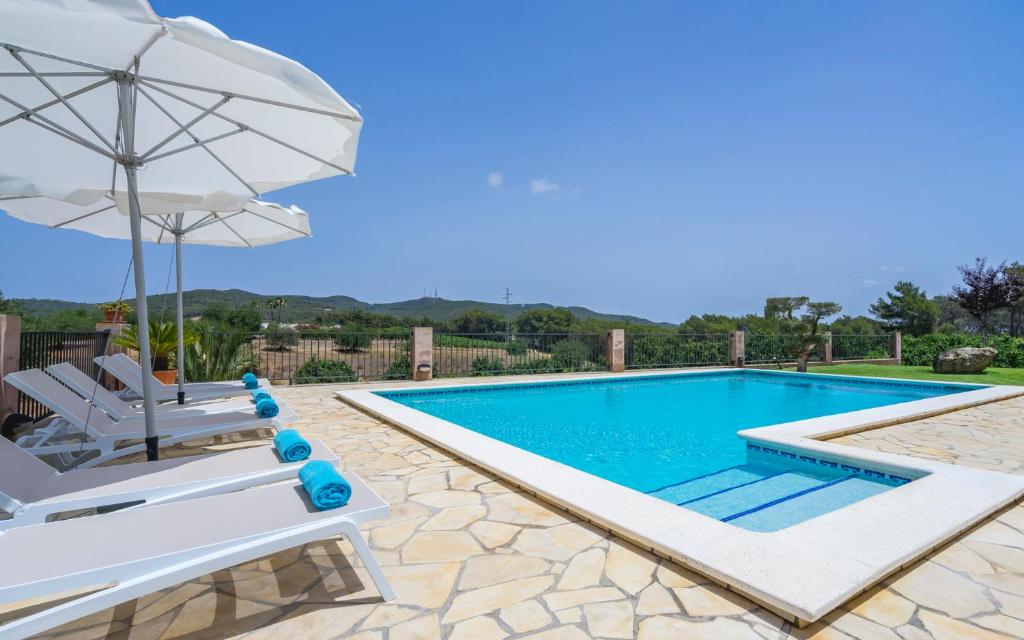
(291, 446)
(267, 408)
(250, 381)
(259, 394)
(325, 486)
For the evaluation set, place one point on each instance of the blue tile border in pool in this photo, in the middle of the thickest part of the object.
(828, 463)
(790, 378)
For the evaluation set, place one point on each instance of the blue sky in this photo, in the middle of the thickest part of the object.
(653, 158)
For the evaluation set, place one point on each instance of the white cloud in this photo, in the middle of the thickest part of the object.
(891, 269)
(871, 283)
(495, 179)
(543, 186)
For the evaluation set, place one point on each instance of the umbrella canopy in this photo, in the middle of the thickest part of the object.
(215, 121)
(257, 223)
(104, 97)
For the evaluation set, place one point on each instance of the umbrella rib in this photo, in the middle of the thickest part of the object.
(186, 126)
(81, 217)
(63, 100)
(203, 145)
(224, 222)
(60, 131)
(13, 47)
(248, 128)
(53, 74)
(197, 143)
(28, 112)
(198, 223)
(212, 219)
(241, 96)
(278, 223)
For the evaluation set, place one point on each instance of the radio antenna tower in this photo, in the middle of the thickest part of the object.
(508, 313)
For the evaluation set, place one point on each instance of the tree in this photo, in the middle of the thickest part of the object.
(9, 307)
(478, 321)
(556, 320)
(803, 336)
(276, 304)
(352, 337)
(281, 337)
(1015, 279)
(783, 308)
(907, 309)
(245, 318)
(985, 290)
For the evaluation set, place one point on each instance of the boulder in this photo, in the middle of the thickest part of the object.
(964, 360)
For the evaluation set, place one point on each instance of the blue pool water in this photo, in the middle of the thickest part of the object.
(675, 436)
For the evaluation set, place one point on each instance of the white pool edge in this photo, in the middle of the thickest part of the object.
(801, 572)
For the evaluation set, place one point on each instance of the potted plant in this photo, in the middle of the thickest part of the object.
(163, 344)
(114, 311)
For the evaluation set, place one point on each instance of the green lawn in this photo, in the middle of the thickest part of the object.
(992, 375)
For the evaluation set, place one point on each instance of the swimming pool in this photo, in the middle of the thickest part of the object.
(674, 437)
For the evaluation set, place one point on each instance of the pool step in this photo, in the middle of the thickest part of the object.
(712, 483)
(793, 510)
(754, 495)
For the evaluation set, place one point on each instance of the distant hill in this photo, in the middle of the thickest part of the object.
(306, 308)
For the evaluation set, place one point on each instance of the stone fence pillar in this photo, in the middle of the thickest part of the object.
(615, 350)
(10, 356)
(826, 348)
(737, 346)
(421, 351)
(896, 347)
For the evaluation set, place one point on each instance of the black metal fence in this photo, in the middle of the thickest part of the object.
(40, 349)
(487, 354)
(855, 347)
(304, 357)
(766, 348)
(651, 351)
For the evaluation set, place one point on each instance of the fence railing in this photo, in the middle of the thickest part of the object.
(651, 351)
(854, 347)
(40, 349)
(766, 348)
(308, 357)
(484, 354)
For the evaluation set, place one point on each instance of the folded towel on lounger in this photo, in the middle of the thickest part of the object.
(291, 446)
(325, 486)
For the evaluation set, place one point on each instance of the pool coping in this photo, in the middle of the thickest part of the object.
(801, 572)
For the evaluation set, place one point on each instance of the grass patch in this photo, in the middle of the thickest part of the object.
(992, 375)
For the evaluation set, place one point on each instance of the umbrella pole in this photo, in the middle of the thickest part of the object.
(129, 162)
(181, 320)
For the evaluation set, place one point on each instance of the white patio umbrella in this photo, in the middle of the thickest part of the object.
(104, 97)
(255, 224)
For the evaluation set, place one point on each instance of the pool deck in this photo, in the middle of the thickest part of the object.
(472, 558)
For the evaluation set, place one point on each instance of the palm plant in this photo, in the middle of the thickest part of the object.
(219, 355)
(163, 341)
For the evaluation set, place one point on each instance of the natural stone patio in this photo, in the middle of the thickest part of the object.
(472, 559)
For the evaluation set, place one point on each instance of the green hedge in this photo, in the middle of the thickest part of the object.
(319, 371)
(922, 350)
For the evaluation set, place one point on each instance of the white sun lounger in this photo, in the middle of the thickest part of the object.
(143, 550)
(31, 490)
(85, 429)
(118, 409)
(122, 367)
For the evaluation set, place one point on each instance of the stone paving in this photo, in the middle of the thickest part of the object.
(471, 558)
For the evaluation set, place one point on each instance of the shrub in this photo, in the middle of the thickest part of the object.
(923, 350)
(281, 337)
(320, 370)
(516, 347)
(352, 337)
(219, 354)
(486, 366)
(400, 369)
(569, 354)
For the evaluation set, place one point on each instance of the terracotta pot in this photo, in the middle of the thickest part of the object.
(113, 316)
(169, 376)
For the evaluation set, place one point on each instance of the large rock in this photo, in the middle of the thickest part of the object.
(964, 360)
